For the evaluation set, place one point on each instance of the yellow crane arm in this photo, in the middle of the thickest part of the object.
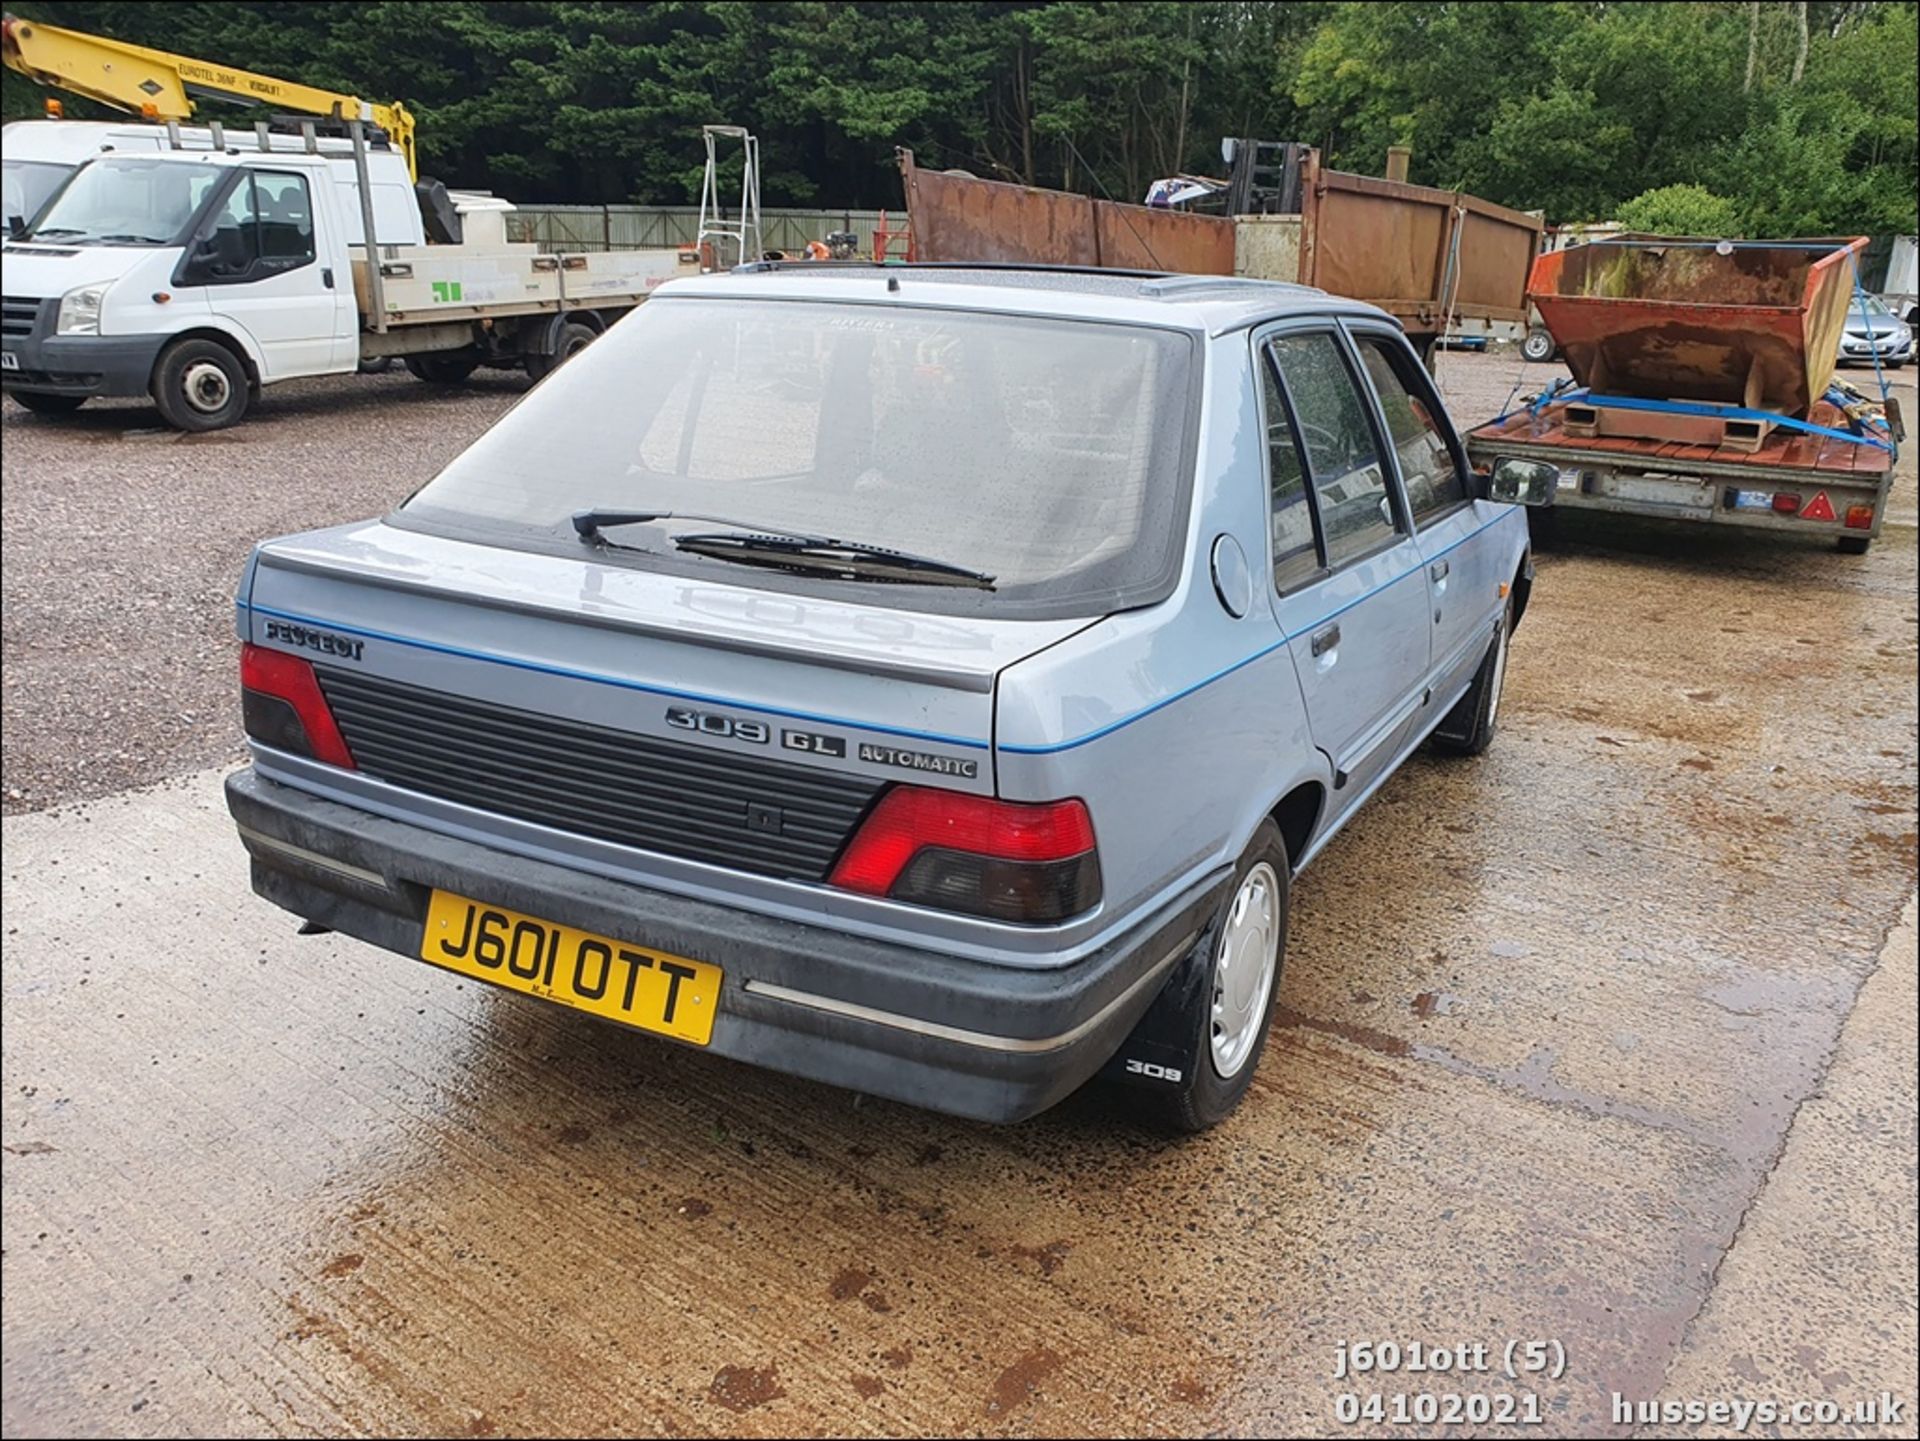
(162, 86)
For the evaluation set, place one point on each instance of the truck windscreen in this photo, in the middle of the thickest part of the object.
(26, 185)
(127, 200)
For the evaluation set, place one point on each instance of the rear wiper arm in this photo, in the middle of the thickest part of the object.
(848, 560)
(589, 523)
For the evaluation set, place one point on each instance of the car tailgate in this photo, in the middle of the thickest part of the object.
(407, 622)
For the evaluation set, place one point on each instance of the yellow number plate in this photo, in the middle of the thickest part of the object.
(649, 989)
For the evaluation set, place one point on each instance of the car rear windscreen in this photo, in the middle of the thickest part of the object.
(1047, 453)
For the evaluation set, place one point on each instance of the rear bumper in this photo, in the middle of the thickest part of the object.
(112, 365)
(988, 1042)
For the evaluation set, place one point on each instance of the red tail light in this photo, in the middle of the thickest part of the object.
(1859, 517)
(281, 706)
(1005, 859)
(1785, 502)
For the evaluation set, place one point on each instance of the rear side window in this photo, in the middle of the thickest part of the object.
(1406, 403)
(1296, 556)
(1349, 481)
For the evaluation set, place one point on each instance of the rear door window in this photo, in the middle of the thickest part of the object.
(1357, 514)
(1408, 405)
(1296, 550)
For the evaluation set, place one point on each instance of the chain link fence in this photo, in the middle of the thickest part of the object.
(652, 227)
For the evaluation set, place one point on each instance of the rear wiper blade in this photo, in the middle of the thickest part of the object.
(814, 554)
(589, 523)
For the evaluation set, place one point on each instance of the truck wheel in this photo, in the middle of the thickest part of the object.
(1218, 1003)
(377, 365)
(442, 369)
(41, 403)
(1854, 544)
(1538, 346)
(574, 337)
(1468, 728)
(199, 386)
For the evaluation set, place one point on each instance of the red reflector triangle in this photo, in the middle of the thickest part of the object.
(1819, 508)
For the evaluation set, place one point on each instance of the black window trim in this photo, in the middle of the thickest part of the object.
(1333, 326)
(207, 218)
(1270, 366)
(1359, 329)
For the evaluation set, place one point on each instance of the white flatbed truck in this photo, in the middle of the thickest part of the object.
(199, 277)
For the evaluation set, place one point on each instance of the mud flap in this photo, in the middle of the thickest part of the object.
(1163, 1047)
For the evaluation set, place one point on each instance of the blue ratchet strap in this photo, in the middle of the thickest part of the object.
(1727, 412)
(1866, 324)
(1545, 398)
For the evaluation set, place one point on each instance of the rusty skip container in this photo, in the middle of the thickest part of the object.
(1744, 323)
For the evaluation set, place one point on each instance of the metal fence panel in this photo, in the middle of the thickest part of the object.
(650, 227)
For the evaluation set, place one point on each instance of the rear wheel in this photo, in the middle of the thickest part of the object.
(41, 403)
(199, 386)
(1538, 346)
(1220, 998)
(1854, 544)
(442, 369)
(575, 336)
(1469, 727)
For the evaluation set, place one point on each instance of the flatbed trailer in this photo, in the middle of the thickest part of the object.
(1797, 482)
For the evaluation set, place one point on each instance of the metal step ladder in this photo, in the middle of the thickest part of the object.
(717, 233)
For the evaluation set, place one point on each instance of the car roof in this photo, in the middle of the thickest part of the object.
(1213, 304)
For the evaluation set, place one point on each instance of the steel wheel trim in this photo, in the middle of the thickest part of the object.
(206, 387)
(1499, 678)
(1244, 962)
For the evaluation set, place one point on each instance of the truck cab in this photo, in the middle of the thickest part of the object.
(192, 277)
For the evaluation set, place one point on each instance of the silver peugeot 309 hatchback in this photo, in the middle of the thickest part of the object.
(925, 680)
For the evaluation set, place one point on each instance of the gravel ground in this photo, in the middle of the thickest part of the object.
(124, 542)
(127, 677)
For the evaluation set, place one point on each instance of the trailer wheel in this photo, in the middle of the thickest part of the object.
(574, 337)
(442, 369)
(41, 403)
(1853, 544)
(1538, 346)
(200, 386)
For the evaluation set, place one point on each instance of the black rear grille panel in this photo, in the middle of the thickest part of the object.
(17, 315)
(657, 795)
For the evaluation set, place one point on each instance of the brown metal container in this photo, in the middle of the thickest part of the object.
(1753, 323)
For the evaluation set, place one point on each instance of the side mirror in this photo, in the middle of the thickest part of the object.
(1523, 482)
(16, 227)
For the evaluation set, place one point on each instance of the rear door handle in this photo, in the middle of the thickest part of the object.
(1325, 640)
(1440, 570)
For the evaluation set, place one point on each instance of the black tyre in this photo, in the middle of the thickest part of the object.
(41, 403)
(1538, 346)
(1854, 544)
(1543, 526)
(442, 369)
(575, 336)
(199, 386)
(1210, 1023)
(378, 365)
(1469, 727)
